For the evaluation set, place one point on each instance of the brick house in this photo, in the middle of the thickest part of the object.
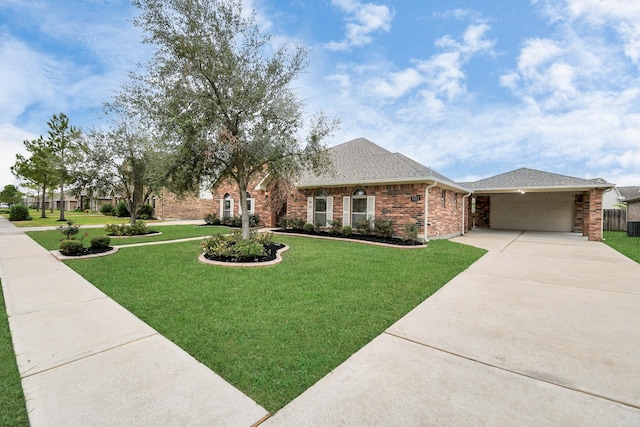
(528, 199)
(369, 182)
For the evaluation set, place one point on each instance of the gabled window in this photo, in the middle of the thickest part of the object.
(228, 206)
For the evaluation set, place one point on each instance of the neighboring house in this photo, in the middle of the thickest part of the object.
(633, 208)
(629, 192)
(369, 182)
(528, 199)
(612, 199)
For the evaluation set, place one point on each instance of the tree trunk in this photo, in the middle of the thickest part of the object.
(44, 198)
(242, 186)
(61, 201)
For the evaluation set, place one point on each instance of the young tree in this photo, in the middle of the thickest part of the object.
(222, 92)
(128, 162)
(65, 146)
(39, 169)
(10, 195)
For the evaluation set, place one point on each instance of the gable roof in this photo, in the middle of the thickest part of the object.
(534, 180)
(629, 192)
(361, 162)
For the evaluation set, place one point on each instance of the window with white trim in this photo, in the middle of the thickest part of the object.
(320, 208)
(227, 210)
(358, 206)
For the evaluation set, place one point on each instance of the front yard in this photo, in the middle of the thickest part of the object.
(274, 331)
(628, 246)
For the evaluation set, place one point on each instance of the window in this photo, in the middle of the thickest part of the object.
(444, 198)
(227, 206)
(359, 206)
(250, 204)
(320, 209)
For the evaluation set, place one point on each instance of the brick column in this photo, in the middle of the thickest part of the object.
(595, 214)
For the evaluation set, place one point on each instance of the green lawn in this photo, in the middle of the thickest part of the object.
(12, 407)
(274, 331)
(52, 219)
(50, 239)
(628, 246)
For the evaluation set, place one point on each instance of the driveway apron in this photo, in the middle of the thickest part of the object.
(543, 330)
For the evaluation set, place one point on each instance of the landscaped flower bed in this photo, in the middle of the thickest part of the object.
(232, 248)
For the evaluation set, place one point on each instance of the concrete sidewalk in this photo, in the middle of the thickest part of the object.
(86, 361)
(543, 330)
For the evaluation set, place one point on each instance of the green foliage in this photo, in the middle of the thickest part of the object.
(10, 195)
(296, 223)
(410, 232)
(346, 231)
(100, 242)
(232, 246)
(211, 219)
(122, 210)
(106, 209)
(145, 212)
(254, 220)
(308, 228)
(335, 226)
(363, 226)
(19, 213)
(69, 230)
(136, 229)
(383, 227)
(262, 238)
(71, 247)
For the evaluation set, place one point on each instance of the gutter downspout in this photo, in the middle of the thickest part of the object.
(463, 211)
(426, 210)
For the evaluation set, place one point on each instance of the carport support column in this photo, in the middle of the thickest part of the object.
(595, 215)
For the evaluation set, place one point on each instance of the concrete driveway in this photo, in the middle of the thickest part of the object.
(543, 330)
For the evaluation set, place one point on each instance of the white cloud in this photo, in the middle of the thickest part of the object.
(363, 20)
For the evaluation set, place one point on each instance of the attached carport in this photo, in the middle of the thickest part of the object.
(532, 200)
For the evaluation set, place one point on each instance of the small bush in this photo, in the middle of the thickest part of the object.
(363, 226)
(296, 223)
(78, 209)
(282, 223)
(308, 228)
(254, 220)
(69, 230)
(263, 238)
(232, 246)
(211, 219)
(145, 212)
(335, 226)
(410, 232)
(121, 210)
(19, 213)
(383, 227)
(346, 231)
(248, 249)
(136, 229)
(100, 242)
(115, 229)
(71, 247)
(106, 209)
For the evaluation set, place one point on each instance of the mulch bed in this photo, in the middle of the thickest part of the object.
(367, 238)
(90, 251)
(270, 254)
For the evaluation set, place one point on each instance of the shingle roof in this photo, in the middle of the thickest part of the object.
(360, 162)
(523, 179)
(629, 192)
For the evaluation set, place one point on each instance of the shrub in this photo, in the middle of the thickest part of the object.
(69, 230)
(296, 223)
(383, 227)
(106, 209)
(263, 238)
(211, 219)
(346, 231)
(335, 226)
(254, 220)
(121, 210)
(232, 246)
(136, 229)
(100, 242)
(283, 222)
(19, 213)
(248, 249)
(145, 212)
(71, 247)
(410, 232)
(363, 226)
(115, 229)
(78, 209)
(308, 228)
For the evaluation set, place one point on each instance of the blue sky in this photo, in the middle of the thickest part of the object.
(470, 88)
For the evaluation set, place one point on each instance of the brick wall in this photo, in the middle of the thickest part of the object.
(168, 205)
(579, 213)
(483, 211)
(595, 214)
(404, 204)
(261, 205)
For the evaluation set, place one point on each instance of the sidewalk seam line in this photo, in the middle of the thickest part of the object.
(631, 405)
(89, 355)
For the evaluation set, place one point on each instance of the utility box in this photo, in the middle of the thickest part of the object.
(633, 228)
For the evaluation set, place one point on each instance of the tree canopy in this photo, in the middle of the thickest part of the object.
(10, 195)
(221, 92)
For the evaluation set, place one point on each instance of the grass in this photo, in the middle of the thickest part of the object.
(13, 411)
(50, 239)
(52, 219)
(628, 246)
(274, 331)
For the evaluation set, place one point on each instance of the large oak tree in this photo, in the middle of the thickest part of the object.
(221, 91)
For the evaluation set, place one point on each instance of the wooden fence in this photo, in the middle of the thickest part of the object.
(614, 219)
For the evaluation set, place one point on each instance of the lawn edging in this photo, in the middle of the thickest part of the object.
(278, 259)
